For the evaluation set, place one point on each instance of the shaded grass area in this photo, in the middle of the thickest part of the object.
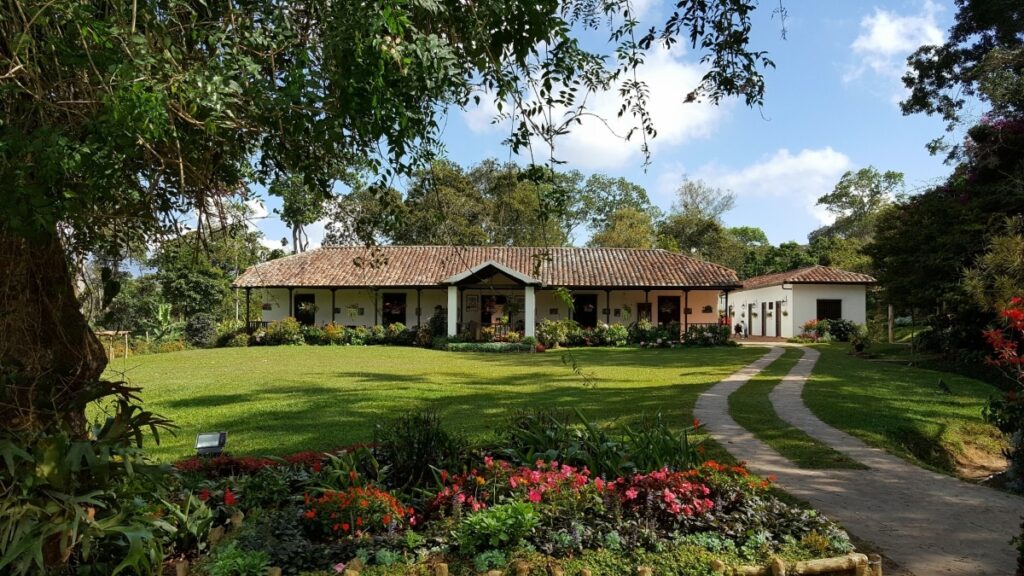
(277, 400)
(904, 409)
(752, 409)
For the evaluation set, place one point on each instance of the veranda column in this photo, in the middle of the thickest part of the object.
(530, 311)
(453, 311)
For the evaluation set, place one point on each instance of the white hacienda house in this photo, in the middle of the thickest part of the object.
(777, 305)
(511, 287)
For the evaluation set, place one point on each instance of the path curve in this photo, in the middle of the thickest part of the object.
(927, 522)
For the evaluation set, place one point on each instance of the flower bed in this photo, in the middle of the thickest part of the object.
(324, 513)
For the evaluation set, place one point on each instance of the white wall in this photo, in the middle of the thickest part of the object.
(430, 298)
(807, 295)
(740, 301)
(801, 305)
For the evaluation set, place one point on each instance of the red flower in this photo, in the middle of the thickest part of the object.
(229, 497)
(311, 514)
(204, 494)
(387, 519)
(696, 424)
(345, 527)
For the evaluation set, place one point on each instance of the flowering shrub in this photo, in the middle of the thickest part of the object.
(816, 331)
(283, 332)
(358, 511)
(662, 496)
(1007, 412)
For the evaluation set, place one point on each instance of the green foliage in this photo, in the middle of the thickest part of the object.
(279, 534)
(980, 60)
(568, 437)
(653, 445)
(408, 445)
(490, 560)
(189, 523)
(997, 275)
(707, 335)
(84, 498)
(233, 561)
(286, 331)
(500, 527)
(553, 333)
(488, 347)
(201, 330)
(841, 329)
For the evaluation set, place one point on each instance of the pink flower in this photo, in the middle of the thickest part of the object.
(599, 484)
(534, 496)
(488, 461)
(631, 494)
(513, 482)
(339, 567)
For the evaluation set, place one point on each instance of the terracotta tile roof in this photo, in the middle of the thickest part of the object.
(808, 275)
(343, 266)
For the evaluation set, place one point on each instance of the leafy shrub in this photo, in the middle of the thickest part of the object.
(653, 445)
(842, 330)
(557, 436)
(643, 331)
(378, 335)
(280, 535)
(501, 527)
(411, 444)
(396, 334)
(284, 332)
(487, 334)
(335, 334)
(190, 523)
(439, 343)
(706, 335)
(240, 340)
(860, 340)
(552, 333)
(201, 330)
(424, 337)
(358, 510)
(233, 561)
(514, 337)
(529, 340)
(617, 335)
(313, 336)
(72, 500)
(488, 347)
(360, 336)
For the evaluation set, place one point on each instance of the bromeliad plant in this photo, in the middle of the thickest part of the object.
(70, 500)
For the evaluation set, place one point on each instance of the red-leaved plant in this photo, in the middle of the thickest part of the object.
(1006, 412)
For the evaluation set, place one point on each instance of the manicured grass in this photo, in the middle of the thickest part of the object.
(752, 409)
(276, 400)
(903, 409)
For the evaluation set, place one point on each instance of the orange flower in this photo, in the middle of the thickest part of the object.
(310, 514)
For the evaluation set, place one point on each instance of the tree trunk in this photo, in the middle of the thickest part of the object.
(50, 361)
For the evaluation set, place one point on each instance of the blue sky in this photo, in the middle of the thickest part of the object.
(831, 106)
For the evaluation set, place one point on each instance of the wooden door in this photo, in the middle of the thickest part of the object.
(778, 318)
(764, 318)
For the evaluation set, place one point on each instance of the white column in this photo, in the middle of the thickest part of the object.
(453, 311)
(530, 311)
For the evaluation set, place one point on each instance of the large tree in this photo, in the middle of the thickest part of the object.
(694, 225)
(119, 117)
(981, 60)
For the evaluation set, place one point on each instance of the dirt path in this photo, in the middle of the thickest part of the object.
(924, 521)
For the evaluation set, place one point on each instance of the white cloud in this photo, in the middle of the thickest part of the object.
(257, 210)
(593, 144)
(887, 38)
(799, 178)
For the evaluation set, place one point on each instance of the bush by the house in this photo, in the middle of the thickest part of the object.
(842, 329)
(201, 330)
(552, 333)
(707, 335)
(488, 347)
(284, 332)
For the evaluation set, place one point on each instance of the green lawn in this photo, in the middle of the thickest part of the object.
(903, 409)
(752, 409)
(276, 400)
